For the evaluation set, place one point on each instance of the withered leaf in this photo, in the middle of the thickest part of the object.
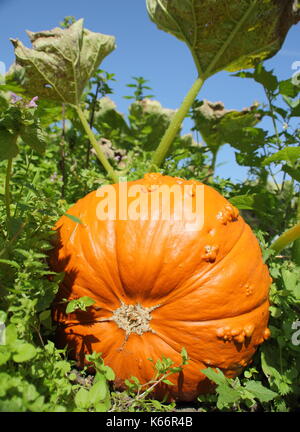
(61, 61)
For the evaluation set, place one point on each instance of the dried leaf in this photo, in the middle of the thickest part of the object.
(218, 125)
(61, 61)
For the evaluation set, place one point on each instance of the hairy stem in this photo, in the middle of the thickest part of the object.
(170, 134)
(101, 156)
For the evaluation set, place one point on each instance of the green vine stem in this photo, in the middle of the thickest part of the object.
(101, 156)
(286, 238)
(7, 193)
(170, 134)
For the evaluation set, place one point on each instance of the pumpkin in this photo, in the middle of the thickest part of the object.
(160, 284)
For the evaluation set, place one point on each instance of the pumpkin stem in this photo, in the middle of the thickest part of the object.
(286, 238)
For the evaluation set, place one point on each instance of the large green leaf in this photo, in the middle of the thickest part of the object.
(224, 34)
(154, 118)
(218, 125)
(61, 61)
(107, 119)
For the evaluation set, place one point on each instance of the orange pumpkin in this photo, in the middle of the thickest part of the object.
(159, 285)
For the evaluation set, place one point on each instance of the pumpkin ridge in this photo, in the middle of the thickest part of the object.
(171, 298)
(115, 291)
(266, 299)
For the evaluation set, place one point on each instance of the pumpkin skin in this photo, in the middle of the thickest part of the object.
(205, 290)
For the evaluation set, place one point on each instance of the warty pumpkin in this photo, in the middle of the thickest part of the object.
(159, 287)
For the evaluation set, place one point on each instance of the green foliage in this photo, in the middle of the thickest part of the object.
(81, 303)
(139, 89)
(231, 394)
(219, 126)
(138, 395)
(20, 120)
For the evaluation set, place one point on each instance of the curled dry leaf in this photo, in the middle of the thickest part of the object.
(230, 35)
(61, 61)
(219, 126)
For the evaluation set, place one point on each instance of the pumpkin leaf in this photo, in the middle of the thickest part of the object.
(107, 117)
(61, 61)
(156, 120)
(219, 126)
(226, 35)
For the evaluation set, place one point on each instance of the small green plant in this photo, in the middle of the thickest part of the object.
(232, 394)
(97, 398)
(138, 396)
(139, 89)
(81, 303)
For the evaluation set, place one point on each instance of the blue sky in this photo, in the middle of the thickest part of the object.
(143, 50)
